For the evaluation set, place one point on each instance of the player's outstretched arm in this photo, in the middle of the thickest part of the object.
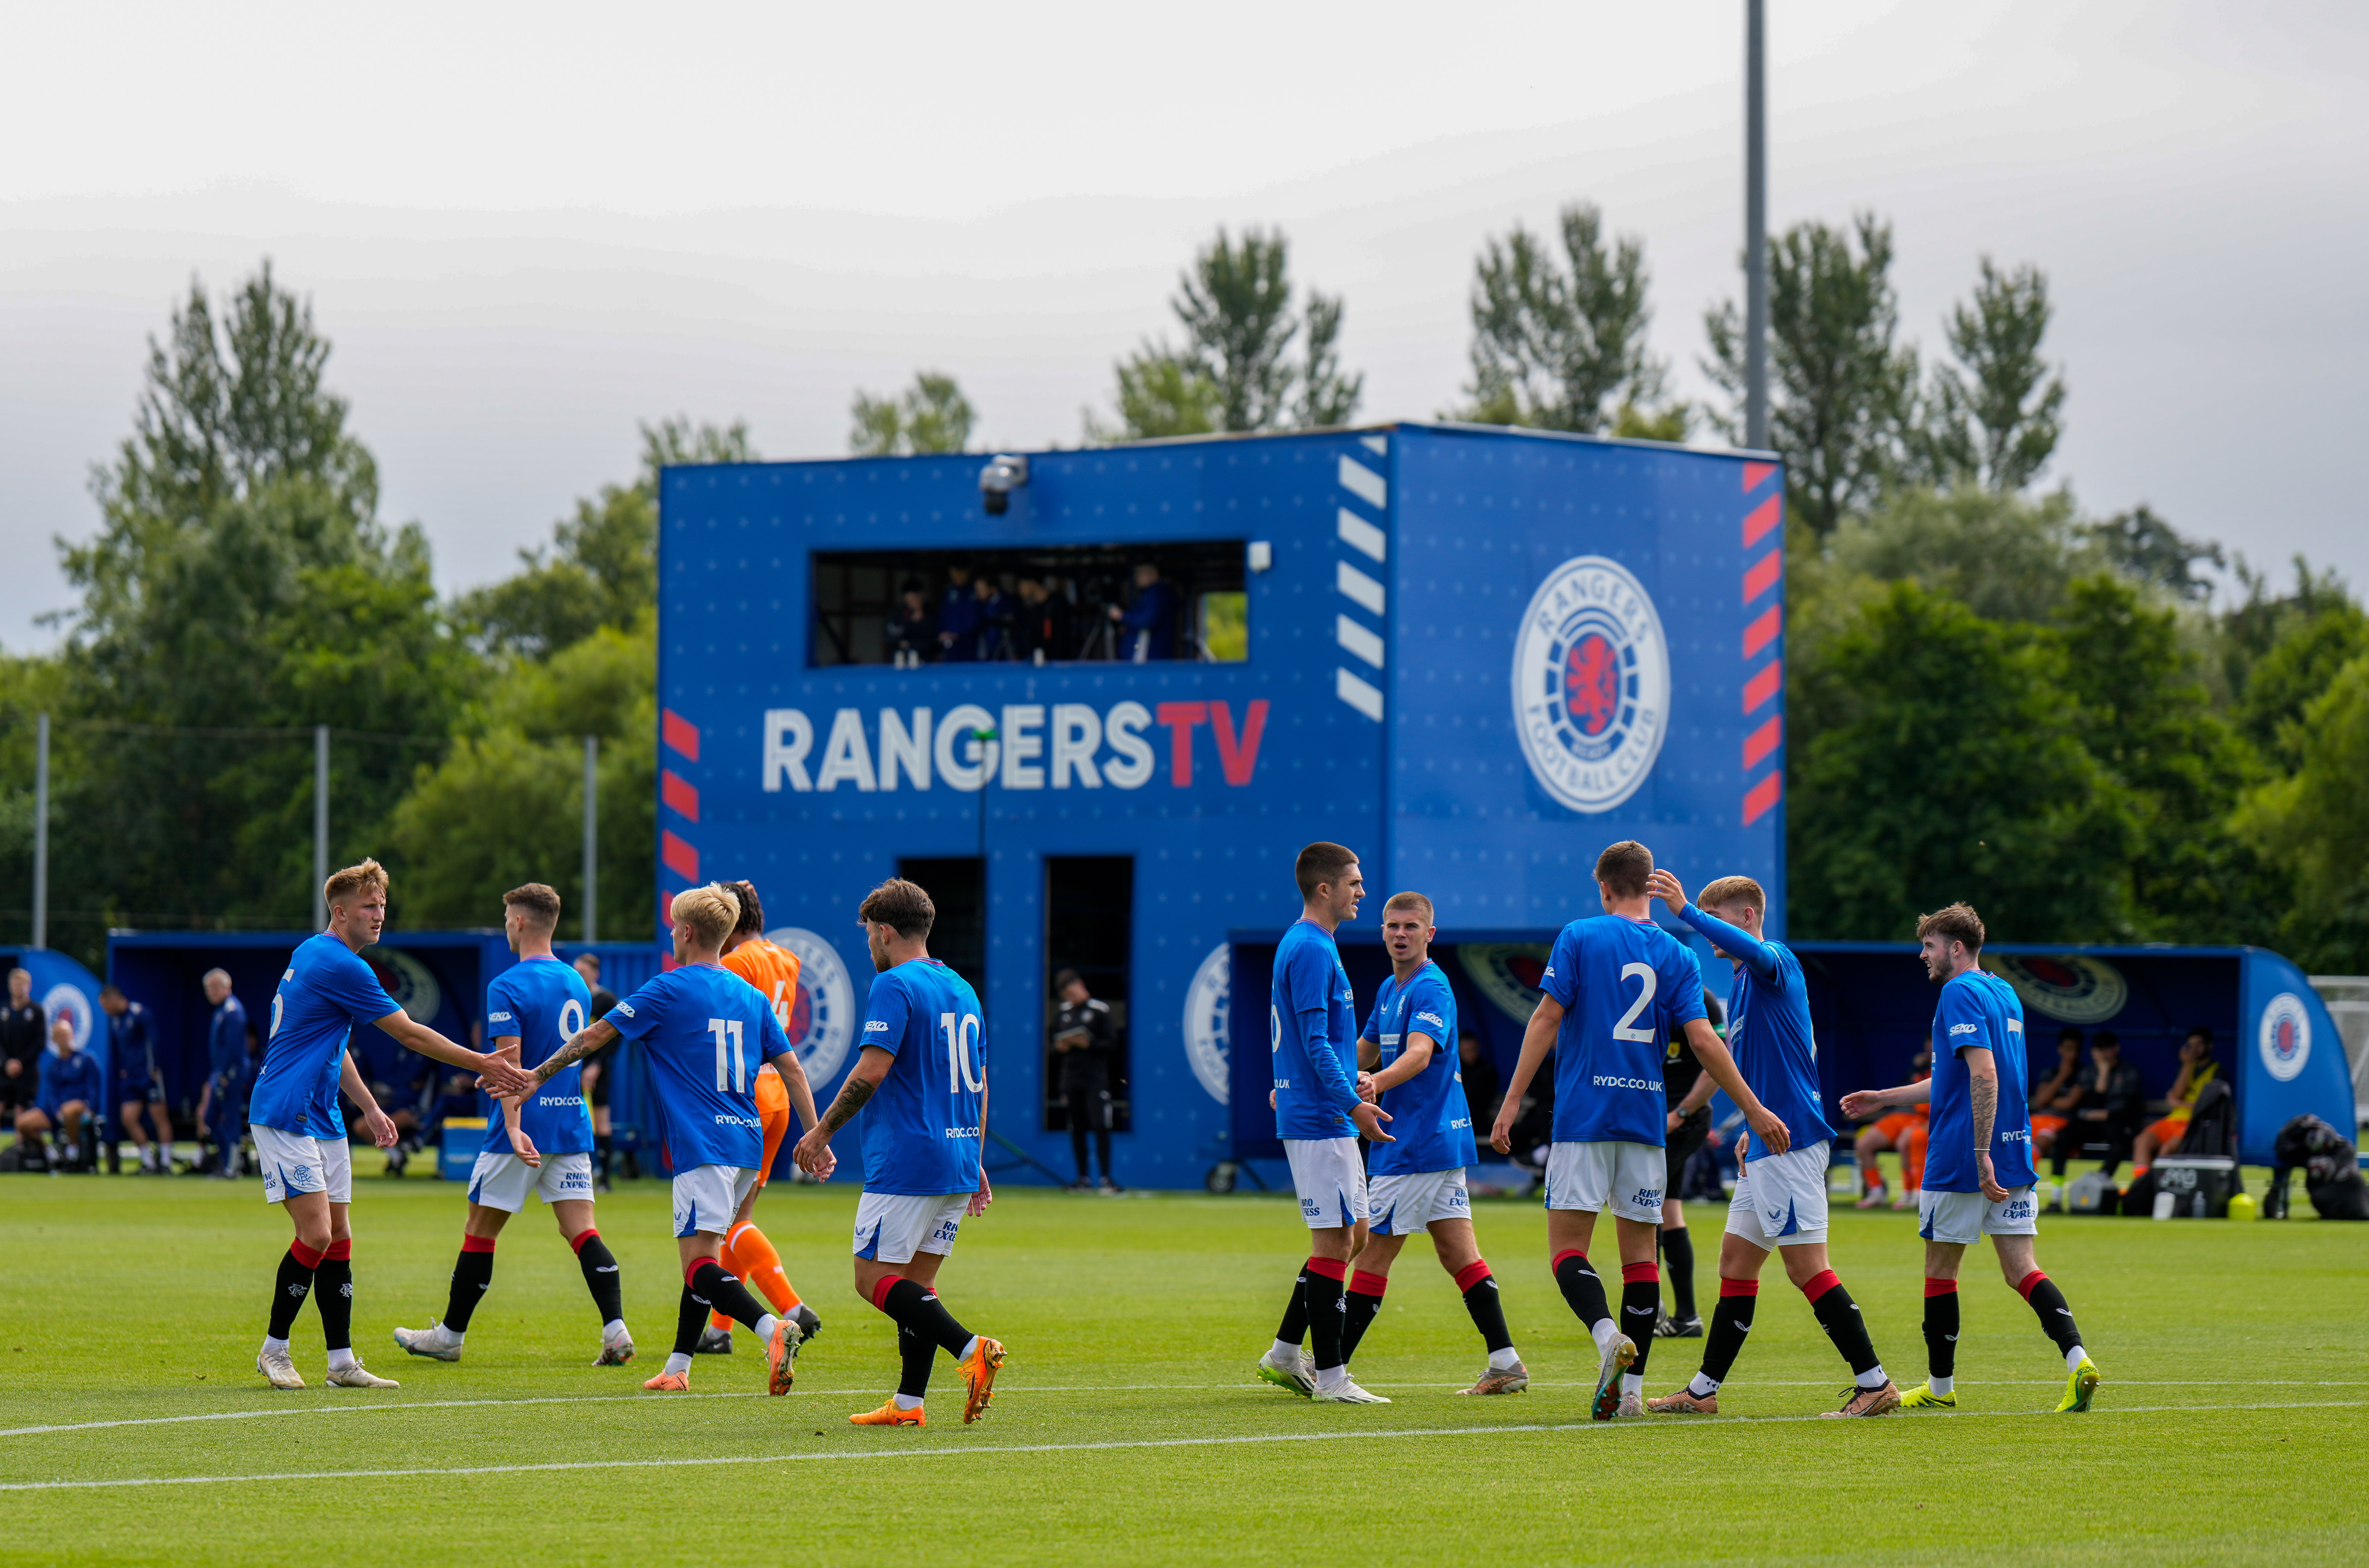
(1774, 1135)
(350, 1079)
(514, 1107)
(1861, 1104)
(582, 1044)
(1536, 1041)
(500, 1077)
(863, 1081)
(1414, 1055)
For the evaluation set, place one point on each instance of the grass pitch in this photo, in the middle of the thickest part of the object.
(1128, 1426)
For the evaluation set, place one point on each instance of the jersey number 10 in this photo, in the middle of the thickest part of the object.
(962, 1049)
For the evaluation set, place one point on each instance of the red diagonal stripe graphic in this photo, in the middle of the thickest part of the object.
(678, 733)
(679, 794)
(1762, 798)
(1762, 631)
(679, 857)
(1756, 474)
(1765, 685)
(1761, 742)
(1761, 518)
(666, 910)
(1762, 575)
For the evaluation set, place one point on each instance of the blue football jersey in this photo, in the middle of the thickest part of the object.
(1313, 1035)
(132, 1044)
(1429, 1116)
(705, 1033)
(1625, 986)
(1769, 1031)
(226, 1039)
(921, 1126)
(1982, 1011)
(545, 1002)
(326, 990)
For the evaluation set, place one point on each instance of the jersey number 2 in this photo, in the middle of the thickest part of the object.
(1625, 1029)
(731, 1077)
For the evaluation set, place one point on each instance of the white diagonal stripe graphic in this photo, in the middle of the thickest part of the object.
(1360, 695)
(1364, 483)
(1362, 590)
(1359, 641)
(1362, 536)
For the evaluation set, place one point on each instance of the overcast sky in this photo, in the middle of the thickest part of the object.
(527, 227)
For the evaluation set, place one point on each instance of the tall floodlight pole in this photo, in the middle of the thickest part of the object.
(591, 837)
(320, 826)
(1755, 224)
(41, 831)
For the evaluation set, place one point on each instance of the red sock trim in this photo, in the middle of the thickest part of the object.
(1738, 1287)
(1471, 1274)
(1329, 1267)
(880, 1292)
(2025, 1286)
(340, 1252)
(1819, 1284)
(477, 1244)
(1365, 1284)
(1640, 1274)
(691, 1269)
(1940, 1288)
(306, 1255)
(1556, 1266)
(577, 1242)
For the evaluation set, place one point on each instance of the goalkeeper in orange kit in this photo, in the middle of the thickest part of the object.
(775, 971)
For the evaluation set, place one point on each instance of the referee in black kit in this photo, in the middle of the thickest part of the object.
(1687, 1090)
(1085, 1042)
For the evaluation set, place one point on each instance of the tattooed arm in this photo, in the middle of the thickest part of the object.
(1982, 1095)
(863, 1081)
(585, 1041)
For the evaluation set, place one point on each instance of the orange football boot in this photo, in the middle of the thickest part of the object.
(889, 1415)
(670, 1383)
(979, 1369)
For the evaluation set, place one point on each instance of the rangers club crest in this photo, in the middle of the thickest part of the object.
(1208, 1021)
(821, 1023)
(2284, 1036)
(2071, 987)
(1591, 684)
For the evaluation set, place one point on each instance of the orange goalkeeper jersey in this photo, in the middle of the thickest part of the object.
(773, 970)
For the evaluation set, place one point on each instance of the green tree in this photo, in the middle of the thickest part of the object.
(1842, 391)
(2282, 651)
(931, 415)
(2004, 557)
(2314, 824)
(2148, 550)
(1996, 413)
(1563, 347)
(1159, 395)
(1938, 758)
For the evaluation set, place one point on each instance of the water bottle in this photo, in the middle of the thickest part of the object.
(2197, 1206)
(2163, 1205)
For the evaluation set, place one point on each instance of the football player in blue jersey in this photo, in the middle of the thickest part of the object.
(1416, 1182)
(1978, 1170)
(300, 1129)
(1616, 986)
(1781, 1197)
(705, 1031)
(543, 1142)
(922, 1074)
(1320, 1109)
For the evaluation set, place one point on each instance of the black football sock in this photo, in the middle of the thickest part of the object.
(1678, 1257)
(1641, 1303)
(1480, 1299)
(298, 1265)
(1839, 1316)
(1730, 1322)
(916, 1356)
(721, 1289)
(473, 1274)
(600, 1277)
(1078, 1151)
(690, 1317)
(1581, 1289)
(1941, 1327)
(1358, 1307)
(1325, 1314)
(333, 1292)
(1295, 1311)
(2055, 1316)
(915, 1305)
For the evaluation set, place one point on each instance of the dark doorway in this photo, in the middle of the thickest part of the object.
(1089, 927)
(958, 940)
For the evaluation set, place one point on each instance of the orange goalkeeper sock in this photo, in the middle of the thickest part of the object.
(755, 1261)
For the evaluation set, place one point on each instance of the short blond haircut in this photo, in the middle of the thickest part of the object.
(1733, 891)
(1412, 902)
(353, 882)
(708, 914)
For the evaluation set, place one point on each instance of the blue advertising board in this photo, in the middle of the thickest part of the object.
(1476, 656)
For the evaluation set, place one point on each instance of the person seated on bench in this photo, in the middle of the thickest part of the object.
(2197, 1069)
(2108, 1102)
(2052, 1099)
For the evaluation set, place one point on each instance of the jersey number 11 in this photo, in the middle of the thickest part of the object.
(732, 1076)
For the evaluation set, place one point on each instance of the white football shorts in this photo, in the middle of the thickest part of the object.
(1329, 1180)
(892, 1227)
(708, 1197)
(1404, 1204)
(1780, 1199)
(294, 1163)
(1623, 1177)
(1966, 1218)
(502, 1180)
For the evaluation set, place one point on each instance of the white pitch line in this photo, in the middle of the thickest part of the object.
(949, 1450)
